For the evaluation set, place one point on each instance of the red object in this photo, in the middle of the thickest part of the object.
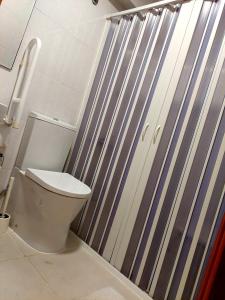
(213, 284)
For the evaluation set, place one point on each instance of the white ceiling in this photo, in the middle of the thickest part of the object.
(126, 4)
(134, 3)
(141, 2)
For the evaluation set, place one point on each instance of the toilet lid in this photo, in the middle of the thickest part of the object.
(60, 183)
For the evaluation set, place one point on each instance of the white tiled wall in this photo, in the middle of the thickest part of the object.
(70, 31)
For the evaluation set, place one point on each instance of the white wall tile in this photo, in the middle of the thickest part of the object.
(70, 32)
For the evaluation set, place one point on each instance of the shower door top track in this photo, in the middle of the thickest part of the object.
(140, 9)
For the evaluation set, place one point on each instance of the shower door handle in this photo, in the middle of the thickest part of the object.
(144, 132)
(156, 133)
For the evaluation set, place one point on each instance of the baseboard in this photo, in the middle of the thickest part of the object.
(124, 280)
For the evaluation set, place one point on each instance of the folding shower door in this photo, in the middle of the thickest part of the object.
(151, 146)
(177, 189)
(136, 50)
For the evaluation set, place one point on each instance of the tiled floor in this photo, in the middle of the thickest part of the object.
(26, 274)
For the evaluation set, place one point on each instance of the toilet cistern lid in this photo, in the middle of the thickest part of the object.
(59, 183)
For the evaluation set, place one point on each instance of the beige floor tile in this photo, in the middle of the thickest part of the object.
(105, 294)
(20, 281)
(23, 246)
(71, 275)
(123, 290)
(75, 274)
(8, 249)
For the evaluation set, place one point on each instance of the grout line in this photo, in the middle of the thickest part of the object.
(37, 270)
(46, 282)
(11, 259)
(120, 278)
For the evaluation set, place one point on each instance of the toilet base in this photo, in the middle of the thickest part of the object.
(40, 217)
(39, 239)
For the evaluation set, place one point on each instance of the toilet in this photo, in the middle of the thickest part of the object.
(44, 200)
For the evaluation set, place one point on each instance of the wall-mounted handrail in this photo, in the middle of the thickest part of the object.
(23, 81)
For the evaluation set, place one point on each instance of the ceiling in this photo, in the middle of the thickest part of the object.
(126, 4)
(141, 2)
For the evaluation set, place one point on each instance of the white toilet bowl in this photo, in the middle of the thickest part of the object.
(43, 204)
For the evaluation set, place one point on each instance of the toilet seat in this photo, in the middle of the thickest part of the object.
(59, 183)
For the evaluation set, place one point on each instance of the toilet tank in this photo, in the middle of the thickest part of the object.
(45, 144)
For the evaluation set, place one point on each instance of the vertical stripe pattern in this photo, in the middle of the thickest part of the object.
(183, 197)
(115, 120)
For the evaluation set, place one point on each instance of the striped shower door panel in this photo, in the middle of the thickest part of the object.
(131, 254)
(164, 94)
(192, 195)
(156, 103)
(97, 102)
(152, 237)
(134, 128)
(103, 139)
(97, 171)
(205, 212)
(195, 192)
(104, 94)
(115, 123)
(102, 66)
(151, 146)
(187, 198)
(160, 154)
(213, 216)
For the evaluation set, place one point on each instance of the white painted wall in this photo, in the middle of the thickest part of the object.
(70, 32)
(135, 3)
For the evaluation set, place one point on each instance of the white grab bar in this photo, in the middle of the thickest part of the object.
(18, 99)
